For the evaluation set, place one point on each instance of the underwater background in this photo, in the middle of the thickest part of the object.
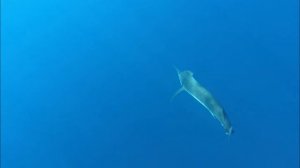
(88, 83)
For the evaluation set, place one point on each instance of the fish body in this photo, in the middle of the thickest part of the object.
(204, 97)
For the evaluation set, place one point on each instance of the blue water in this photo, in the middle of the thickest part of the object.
(88, 83)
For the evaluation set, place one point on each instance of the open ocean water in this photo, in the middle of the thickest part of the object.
(87, 84)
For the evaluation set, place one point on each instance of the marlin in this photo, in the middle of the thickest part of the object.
(204, 97)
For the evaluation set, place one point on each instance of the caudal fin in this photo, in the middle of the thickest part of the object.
(229, 131)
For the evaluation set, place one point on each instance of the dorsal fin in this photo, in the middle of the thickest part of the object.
(177, 70)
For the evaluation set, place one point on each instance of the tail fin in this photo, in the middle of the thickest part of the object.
(229, 131)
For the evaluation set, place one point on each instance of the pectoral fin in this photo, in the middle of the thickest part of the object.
(176, 93)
